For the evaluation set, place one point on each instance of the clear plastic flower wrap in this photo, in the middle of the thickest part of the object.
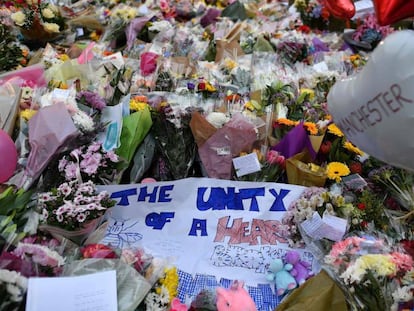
(373, 270)
(132, 287)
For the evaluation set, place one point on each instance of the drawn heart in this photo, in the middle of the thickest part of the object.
(391, 11)
(375, 108)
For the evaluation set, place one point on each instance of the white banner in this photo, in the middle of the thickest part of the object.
(214, 231)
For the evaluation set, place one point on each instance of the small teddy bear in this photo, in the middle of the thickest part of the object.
(280, 274)
(300, 270)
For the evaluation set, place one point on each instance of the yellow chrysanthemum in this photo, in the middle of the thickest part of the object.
(333, 129)
(336, 170)
(170, 281)
(136, 105)
(351, 147)
(381, 264)
(286, 122)
(309, 92)
(27, 114)
(311, 127)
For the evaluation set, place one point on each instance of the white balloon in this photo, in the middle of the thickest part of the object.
(375, 108)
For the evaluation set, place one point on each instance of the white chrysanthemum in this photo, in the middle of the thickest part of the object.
(217, 119)
(48, 13)
(51, 27)
(18, 18)
(83, 121)
(160, 26)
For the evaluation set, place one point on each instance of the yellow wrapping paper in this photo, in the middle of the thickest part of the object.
(319, 293)
(301, 171)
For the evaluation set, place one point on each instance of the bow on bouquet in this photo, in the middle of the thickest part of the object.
(374, 273)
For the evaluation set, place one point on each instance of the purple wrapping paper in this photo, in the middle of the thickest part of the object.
(218, 151)
(134, 28)
(49, 129)
(294, 142)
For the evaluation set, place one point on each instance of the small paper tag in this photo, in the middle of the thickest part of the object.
(223, 151)
(312, 226)
(79, 32)
(116, 59)
(247, 164)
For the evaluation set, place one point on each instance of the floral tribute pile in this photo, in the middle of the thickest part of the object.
(116, 92)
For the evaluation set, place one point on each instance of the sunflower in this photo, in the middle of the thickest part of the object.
(333, 129)
(335, 170)
(351, 147)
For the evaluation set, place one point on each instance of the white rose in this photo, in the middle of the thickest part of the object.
(48, 13)
(51, 27)
(18, 18)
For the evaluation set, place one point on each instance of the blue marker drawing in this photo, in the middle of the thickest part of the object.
(117, 234)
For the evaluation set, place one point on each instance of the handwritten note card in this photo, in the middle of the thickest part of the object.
(329, 227)
(91, 292)
(246, 164)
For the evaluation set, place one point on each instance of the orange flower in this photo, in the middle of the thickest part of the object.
(286, 122)
(311, 127)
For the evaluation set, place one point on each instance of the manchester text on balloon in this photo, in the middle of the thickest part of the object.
(370, 114)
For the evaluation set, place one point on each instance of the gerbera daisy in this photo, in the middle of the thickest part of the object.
(351, 147)
(333, 129)
(336, 170)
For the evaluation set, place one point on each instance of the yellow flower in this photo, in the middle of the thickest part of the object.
(18, 18)
(309, 92)
(170, 281)
(351, 147)
(230, 64)
(27, 114)
(136, 105)
(381, 264)
(210, 87)
(333, 129)
(94, 36)
(51, 27)
(64, 57)
(311, 127)
(336, 170)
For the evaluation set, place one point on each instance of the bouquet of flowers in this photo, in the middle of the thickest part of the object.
(90, 162)
(373, 273)
(175, 141)
(330, 213)
(38, 20)
(399, 185)
(73, 209)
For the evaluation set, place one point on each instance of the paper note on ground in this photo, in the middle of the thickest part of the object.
(90, 292)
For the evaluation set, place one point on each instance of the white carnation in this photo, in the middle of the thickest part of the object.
(217, 119)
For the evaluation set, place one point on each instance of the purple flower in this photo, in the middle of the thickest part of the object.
(62, 163)
(81, 217)
(112, 156)
(71, 171)
(92, 99)
(90, 163)
(94, 147)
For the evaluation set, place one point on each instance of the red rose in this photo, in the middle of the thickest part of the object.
(325, 147)
(361, 206)
(364, 224)
(98, 251)
(355, 168)
(201, 86)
